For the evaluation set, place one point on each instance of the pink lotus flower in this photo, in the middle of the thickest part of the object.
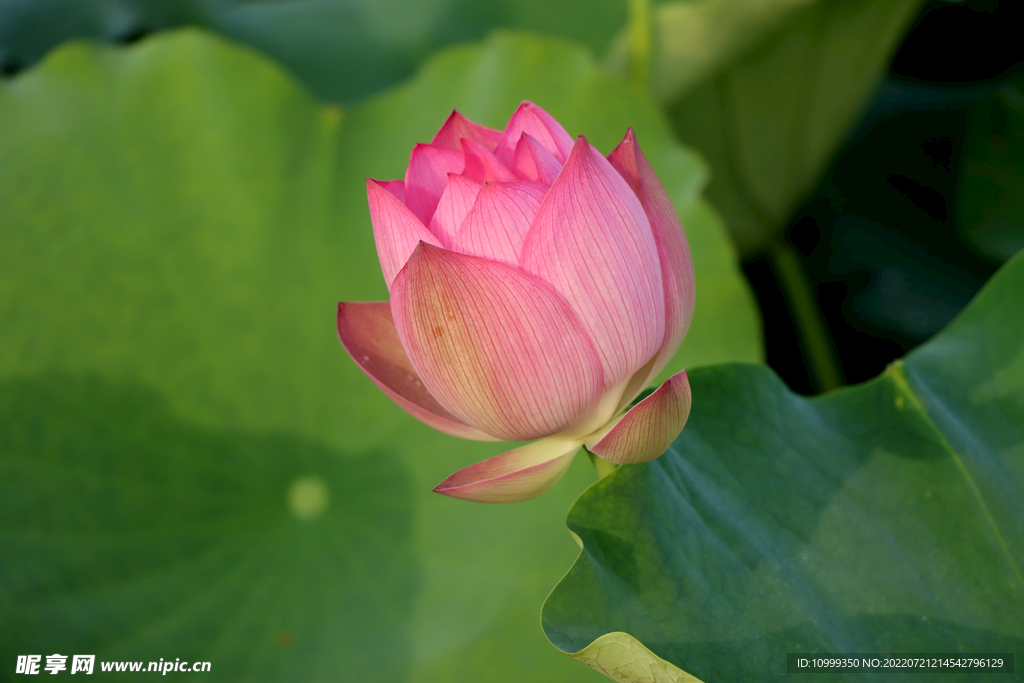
(536, 288)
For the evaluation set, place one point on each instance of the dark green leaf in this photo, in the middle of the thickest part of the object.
(341, 49)
(990, 193)
(768, 90)
(887, 517)
(179, 222)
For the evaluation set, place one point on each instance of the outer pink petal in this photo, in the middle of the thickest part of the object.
(673, 250)
(499, 220)
(482, 166)
(457, 200)
(458, 126)
(426, 177)
(533, 162)
(592, 241)
(368, 333)
(650, 427)
(519, 474)
(529, 118)
(395, 187)
(498, 349)
(395, 229)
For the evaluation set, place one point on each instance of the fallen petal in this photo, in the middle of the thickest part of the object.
(519, 474)
(650, 427)
(396, 230)
(499, 220)
(367, 331)
(591, 240)
(458, 126)
(426, 177)
(497, 348)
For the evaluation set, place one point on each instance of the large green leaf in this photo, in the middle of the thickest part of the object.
(990, 195)
(129, 534)
(886, 517)
(767, 90)
(341, 49)
(179, 222)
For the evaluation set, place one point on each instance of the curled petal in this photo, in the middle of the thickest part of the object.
(497, 348)
(368, 333)
(499, 220)
(529, 118)
(396, 230)
(457, 200)
(673, 250)
(533, 162)
(457, 126)
(650, 427)
(482, 166)
(519, 474)
(426, 177)
(591, 240)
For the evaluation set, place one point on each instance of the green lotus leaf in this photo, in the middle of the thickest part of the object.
(884, 517)
(767, 90)
(341, 49)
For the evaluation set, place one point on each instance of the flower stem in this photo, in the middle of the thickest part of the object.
(807, 318)
(602, 467)
(640, 43)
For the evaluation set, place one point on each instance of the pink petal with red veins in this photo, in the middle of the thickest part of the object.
(529, 118)
(458, 126)
(395, 187)
(591, 240)
(395, 229)
(500, 350)
(533, 162)
(650, 427)
(519, 474)
(368, 333)
(457, 200)
(482, 166)
(673, 250)
(426, 177)
(499, 220)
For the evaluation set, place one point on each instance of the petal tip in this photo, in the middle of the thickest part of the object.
(648, 428)
(517, 475)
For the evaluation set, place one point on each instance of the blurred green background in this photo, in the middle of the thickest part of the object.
(181, 207)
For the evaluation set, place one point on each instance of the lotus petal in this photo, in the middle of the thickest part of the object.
(497, 348)
(368, 333)
(650, 427)
(519, 474)
(482, 166)
(426, 177)
(529, 118)
(395, 187)
(673, 250)
(533, 162)
(591, 240)
(457, 126)
(396, 230)
(457, 200)
(499, 220)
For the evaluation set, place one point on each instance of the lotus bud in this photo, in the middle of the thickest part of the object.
(536, 288)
